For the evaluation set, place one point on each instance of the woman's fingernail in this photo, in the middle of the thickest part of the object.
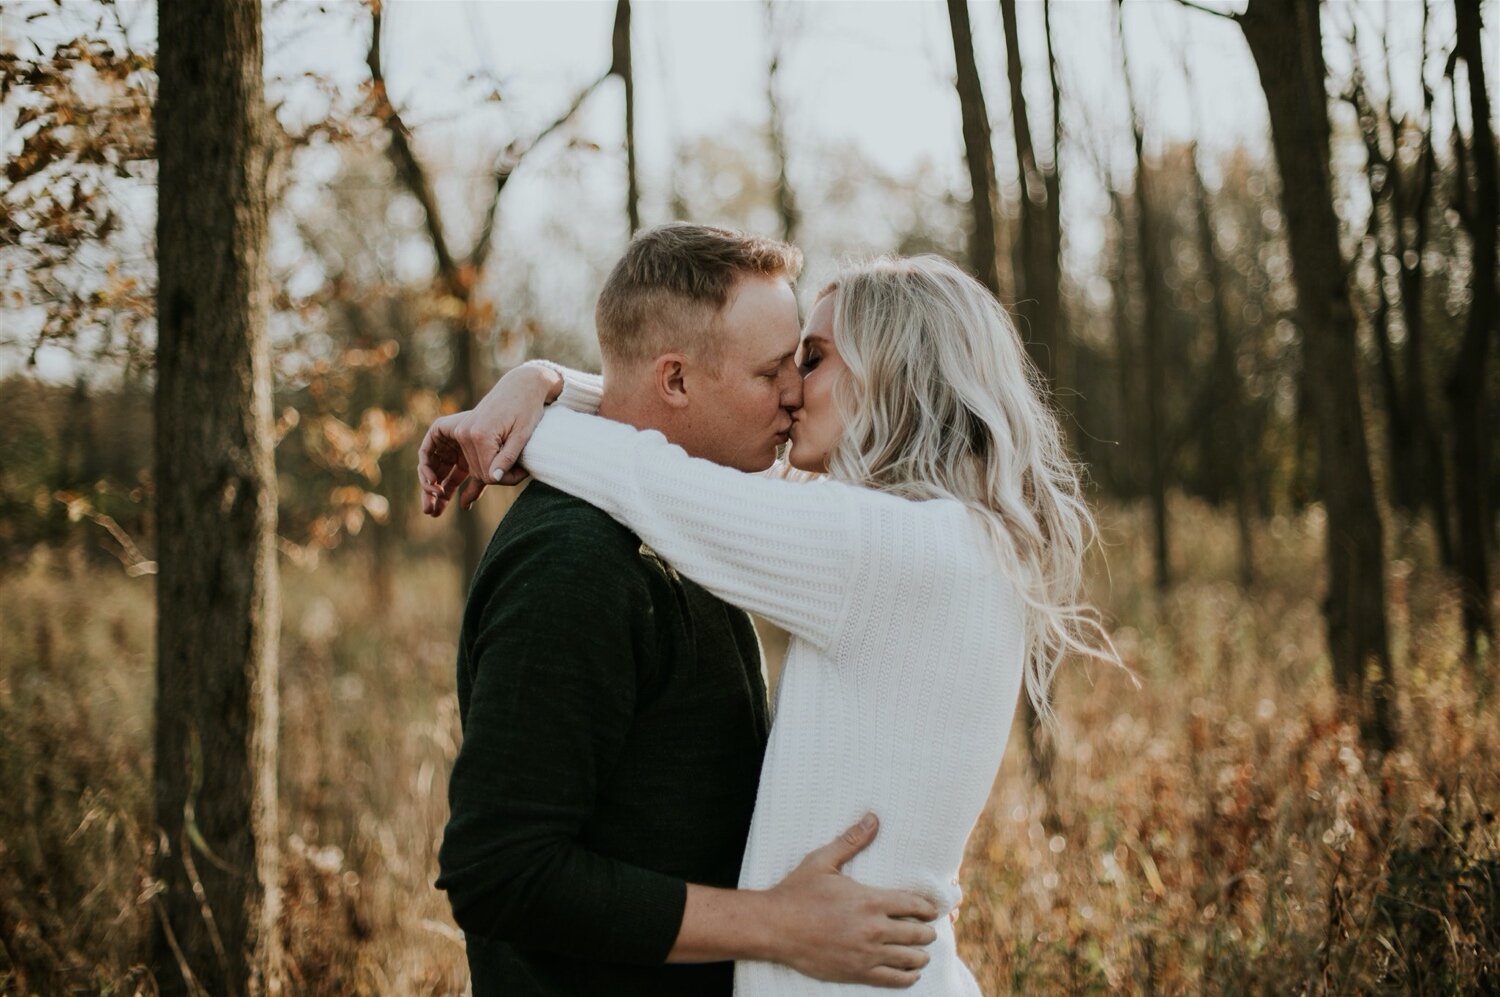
(496, 472)
(867, 821)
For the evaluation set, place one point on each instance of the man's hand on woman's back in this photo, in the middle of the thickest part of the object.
(817, 921)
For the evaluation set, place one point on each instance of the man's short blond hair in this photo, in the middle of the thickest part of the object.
(668, 289)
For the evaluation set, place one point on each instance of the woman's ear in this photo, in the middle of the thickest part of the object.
(670, 380)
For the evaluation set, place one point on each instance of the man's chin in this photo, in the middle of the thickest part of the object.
(759, 461)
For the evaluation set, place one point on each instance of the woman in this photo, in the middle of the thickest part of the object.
(929, 573)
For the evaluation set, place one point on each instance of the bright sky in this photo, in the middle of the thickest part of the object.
(875, 74)
(878, 73)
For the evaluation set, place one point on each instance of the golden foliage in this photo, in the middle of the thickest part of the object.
(1220, 830)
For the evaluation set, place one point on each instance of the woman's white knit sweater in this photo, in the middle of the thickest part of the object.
(903, 671)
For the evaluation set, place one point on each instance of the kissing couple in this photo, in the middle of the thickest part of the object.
(626, 817)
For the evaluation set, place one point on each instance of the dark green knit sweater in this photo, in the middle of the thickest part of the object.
(614, 720)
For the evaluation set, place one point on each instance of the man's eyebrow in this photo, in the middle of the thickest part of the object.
(784, 357)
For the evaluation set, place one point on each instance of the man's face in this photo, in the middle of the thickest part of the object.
(747, 410)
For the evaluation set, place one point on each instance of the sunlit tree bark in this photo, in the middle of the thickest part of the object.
(218, 611)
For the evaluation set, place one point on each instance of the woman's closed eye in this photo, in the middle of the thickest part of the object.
(809, 362)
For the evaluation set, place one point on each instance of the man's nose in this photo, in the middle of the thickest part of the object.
(791, 392)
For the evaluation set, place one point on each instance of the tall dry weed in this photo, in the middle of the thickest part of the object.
(1221, 830)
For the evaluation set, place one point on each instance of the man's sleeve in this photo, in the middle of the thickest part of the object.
(553, 696)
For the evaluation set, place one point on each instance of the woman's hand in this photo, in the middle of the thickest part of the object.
(481, 447)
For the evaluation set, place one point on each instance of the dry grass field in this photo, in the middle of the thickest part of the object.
(1219, 830)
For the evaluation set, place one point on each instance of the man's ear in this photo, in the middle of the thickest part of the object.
(669, 378)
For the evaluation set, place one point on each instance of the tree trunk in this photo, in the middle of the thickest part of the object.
(983, 258)
(1285, 41)
(1431, 469)
(1153, 292)
(1466, 381)
(620, 66)
(218, 610)
(1417, 473)
(1226, 378)
(1037, 296)
(1233, 424)
(786, 200)
(460, 277)
(1127, 432)
(77, 458)
(1064, 350)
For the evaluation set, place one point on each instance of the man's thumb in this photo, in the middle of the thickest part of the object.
(853, 841)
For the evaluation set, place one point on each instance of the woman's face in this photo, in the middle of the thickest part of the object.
(816, 427)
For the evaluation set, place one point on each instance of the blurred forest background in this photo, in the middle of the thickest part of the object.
(1252, 244)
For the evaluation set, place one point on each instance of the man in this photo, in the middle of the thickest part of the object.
(614, 712)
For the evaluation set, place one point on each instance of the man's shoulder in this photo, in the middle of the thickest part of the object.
(555, 558)
(563, 530)
(546, 514)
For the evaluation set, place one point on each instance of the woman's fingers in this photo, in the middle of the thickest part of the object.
(438, 453)
(466, 448)
(437, 496)
(452, 480)
(509, 452)
(514, 476)
(514, 443)
(473, 488)
(485, 444)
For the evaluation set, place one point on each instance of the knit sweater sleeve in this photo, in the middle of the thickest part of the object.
(551, 699)
(786, 550)
(581, 390)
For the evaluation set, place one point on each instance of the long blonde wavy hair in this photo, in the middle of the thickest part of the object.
(942, 401)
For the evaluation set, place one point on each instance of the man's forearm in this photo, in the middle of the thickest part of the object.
(567, 900)
(720, 924)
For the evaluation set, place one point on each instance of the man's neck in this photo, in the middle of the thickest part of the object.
(624, 404)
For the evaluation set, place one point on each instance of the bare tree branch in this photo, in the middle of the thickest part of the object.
(405, 160)
(620, 65)
(1228, 15)
(511, 159)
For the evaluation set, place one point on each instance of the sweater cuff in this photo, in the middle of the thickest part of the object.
(581, 391)
(652, 906)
